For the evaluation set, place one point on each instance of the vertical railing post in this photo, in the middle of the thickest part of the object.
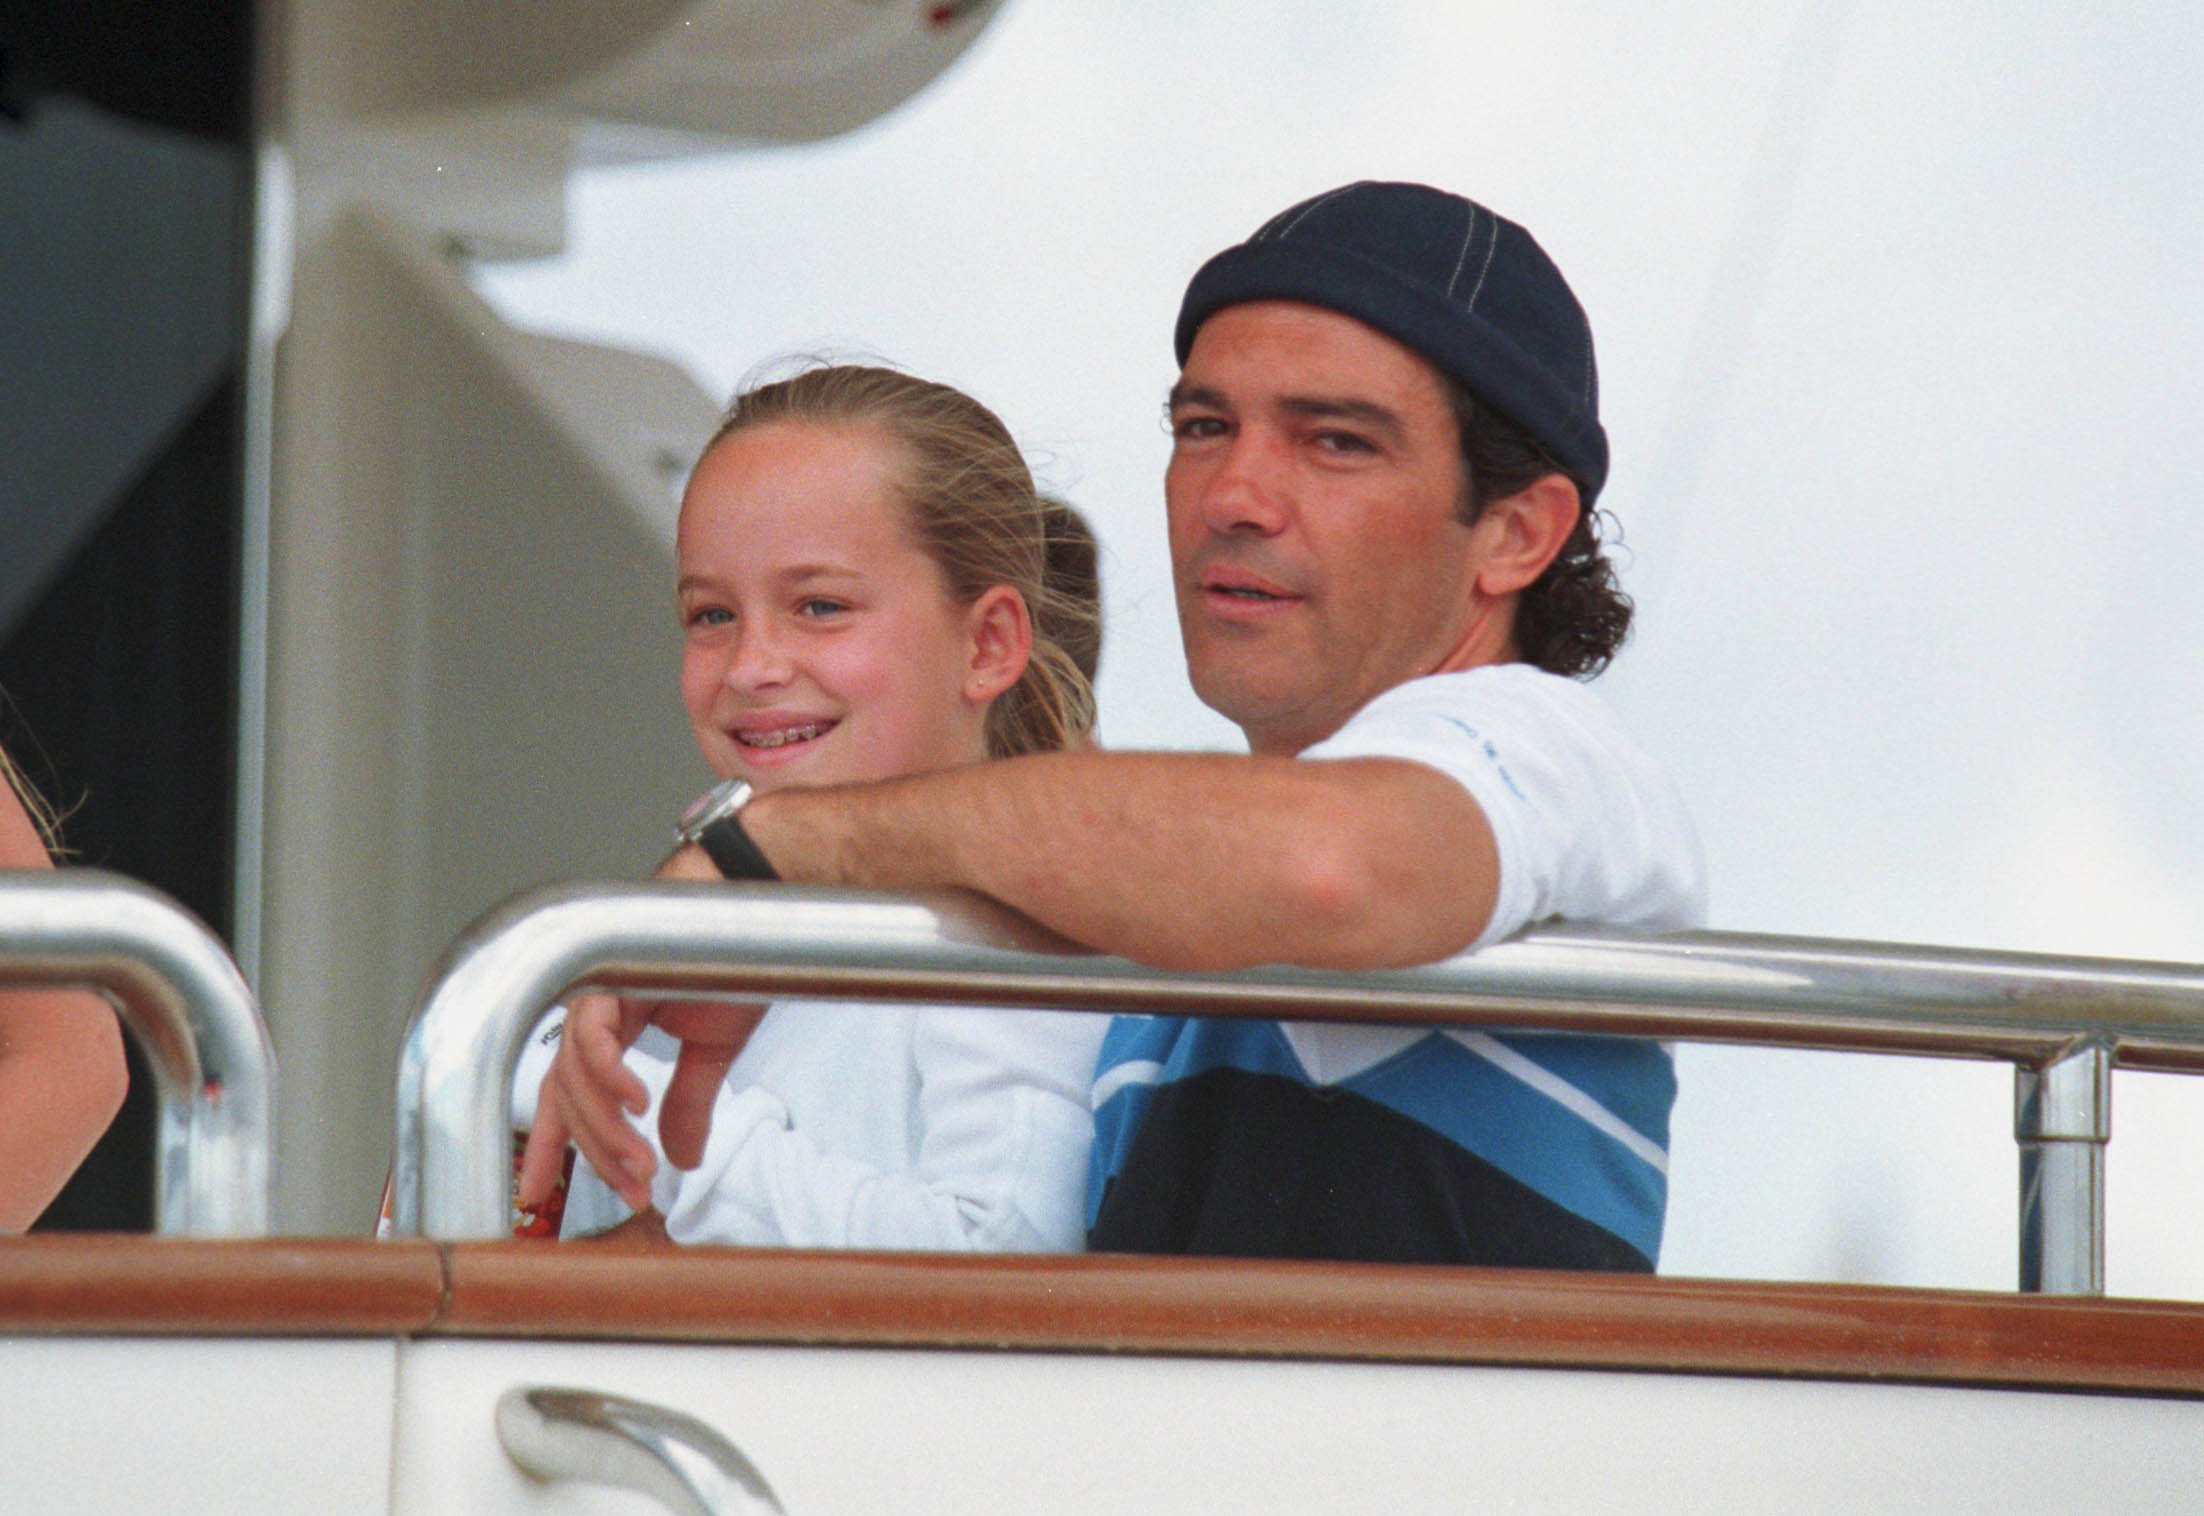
(2062, 1119)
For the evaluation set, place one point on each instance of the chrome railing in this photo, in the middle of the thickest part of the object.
(2062, 1022)
(180, 993)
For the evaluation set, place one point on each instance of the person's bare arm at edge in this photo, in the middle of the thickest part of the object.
(62, 1079)
(1177, 860)
(62, 1076)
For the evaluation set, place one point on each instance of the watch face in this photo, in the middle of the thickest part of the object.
(722, 799)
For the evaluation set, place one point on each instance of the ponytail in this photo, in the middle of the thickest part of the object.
(1051, 707)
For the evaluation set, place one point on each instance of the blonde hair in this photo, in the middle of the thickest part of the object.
(975, 511)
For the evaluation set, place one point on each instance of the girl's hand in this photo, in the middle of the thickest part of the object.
(587, 1097)
(589, 1092)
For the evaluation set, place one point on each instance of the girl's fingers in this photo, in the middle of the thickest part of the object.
(614, 1149)
(590, 1091)
(589, 1068)
(593, 1092)
(685, 1119)
(546, 1152)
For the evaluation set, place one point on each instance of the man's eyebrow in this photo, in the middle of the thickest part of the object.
(1377, 417)
(1183, 395)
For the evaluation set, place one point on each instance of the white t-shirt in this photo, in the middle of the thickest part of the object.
(1588, 827)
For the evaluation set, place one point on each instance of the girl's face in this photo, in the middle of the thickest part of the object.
(821, 645)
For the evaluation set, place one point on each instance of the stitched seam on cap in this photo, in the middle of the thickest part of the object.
(1314, 205)
(1491, 245)
(1469, 230)
(1586, 393)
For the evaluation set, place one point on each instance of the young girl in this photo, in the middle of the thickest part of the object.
(62, 1076)
(870, 586)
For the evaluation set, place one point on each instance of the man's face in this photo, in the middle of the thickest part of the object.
(1315, 477)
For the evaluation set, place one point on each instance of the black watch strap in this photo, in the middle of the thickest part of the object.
(732, 852)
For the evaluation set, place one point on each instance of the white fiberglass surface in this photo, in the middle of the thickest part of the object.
(182, 1426)
(1897, 313)
(854, 1430)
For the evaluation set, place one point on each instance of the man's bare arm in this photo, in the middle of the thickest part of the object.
(1178, 860)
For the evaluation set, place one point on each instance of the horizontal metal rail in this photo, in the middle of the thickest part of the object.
(181, 995)
(454, 1163)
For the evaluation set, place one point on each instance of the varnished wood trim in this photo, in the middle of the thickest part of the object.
(1355, 1311)
(333, 1287)
(322, 1287)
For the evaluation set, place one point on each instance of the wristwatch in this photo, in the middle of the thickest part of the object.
(714, 823)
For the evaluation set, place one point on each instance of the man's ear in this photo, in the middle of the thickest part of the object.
(1524, 532)
(1001, 634)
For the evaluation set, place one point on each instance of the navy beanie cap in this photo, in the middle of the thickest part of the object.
(1469, 291)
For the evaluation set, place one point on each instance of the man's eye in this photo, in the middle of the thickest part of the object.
(1196, 428)
(1344, 442)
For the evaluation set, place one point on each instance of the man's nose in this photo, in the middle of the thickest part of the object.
(1246, 492)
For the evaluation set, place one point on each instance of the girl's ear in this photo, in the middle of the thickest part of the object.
(1525, 532)
(1001, 633)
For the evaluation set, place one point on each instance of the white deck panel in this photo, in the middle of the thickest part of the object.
(181, 1426)
(844, 1430)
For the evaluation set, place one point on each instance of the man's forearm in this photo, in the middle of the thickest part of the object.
(1173, 859)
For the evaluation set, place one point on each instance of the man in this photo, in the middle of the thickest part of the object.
(1386, 451)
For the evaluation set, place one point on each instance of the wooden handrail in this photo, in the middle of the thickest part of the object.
(334, 1287)
(1099, 1303)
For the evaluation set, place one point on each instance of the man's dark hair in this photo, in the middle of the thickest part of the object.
(1571, 619)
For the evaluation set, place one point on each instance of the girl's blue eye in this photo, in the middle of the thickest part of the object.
(815, 607)
(710, 615)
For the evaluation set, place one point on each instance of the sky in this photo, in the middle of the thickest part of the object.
(1897, 311)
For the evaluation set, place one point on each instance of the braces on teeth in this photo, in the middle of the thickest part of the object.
(782, 737)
